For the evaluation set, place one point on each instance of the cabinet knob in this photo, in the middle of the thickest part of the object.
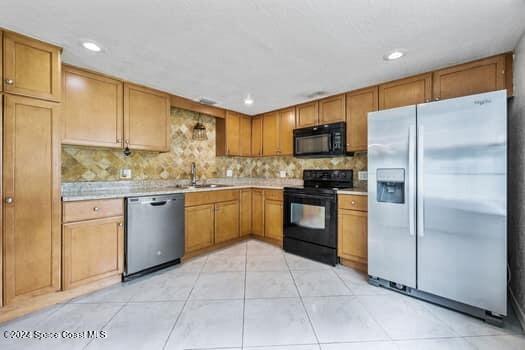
(96, 209)
(120, 224)
(127, 142)
(9, 200)
(353, 202)
(436, 99)
(9, 81)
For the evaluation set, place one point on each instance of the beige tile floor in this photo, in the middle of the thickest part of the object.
(255, 296)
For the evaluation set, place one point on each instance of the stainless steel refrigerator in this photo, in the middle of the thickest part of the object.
(437, 208)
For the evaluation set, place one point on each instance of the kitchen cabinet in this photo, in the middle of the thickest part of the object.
(332, 109)
(245, 136)
(257, 136)
(271, 134)
(352, 231)
(92, 109)
(358, 104)
(258, 212)
(1, 79)
(246, 212)
(307, 114)
(273, 219)
(286, 126)
(406, 92)
(31, 189)
(278, 132)
(199, 227)
(471, 78)
(31, 68)
(226, 221)
(146, 119)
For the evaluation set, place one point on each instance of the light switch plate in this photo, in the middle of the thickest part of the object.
(229, 173)
(125, 173)
(282, 173)
(362, 175)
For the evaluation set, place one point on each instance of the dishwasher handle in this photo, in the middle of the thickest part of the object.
(158, 204)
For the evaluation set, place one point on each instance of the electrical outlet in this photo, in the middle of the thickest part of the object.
(125, 173)
(362, 175)
(282, 173)
(229, 173)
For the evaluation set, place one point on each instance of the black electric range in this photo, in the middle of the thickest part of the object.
(310, 214)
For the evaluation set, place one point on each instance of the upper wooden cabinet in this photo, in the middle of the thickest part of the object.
(278, 132)
(233, 135)
(286, 126)
(245, 136)
(271, 134)
(31, 67)
(91, 109)
(146, 119)
(471, 78)
(1, 71)
(358, 104)
(307, 114)
(405, 92)
(257, 136)
(332, 109)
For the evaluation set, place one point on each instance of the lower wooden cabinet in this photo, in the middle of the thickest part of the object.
(92, 250)
(258, 212)
(273, 219)
(246, 212)
(352, 233)
(199, 227)
(226, 221)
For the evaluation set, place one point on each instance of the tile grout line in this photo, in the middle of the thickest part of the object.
(184, 305)
(244, 295)
(107, 323)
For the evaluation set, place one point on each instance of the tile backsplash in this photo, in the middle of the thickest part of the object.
(100, 164)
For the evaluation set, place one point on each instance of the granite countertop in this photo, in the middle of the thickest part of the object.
(78, 191)
(355, 191)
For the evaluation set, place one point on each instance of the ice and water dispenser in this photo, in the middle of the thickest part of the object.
(391, 185)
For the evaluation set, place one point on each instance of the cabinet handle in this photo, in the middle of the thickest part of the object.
(9, 200)
(120, 224)
(9, 81)
(96, 209)
(436, 99)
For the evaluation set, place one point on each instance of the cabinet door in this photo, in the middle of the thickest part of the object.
(358, 104)
(91, 109)
(31, 68)
(286, 126)
(307, 114)
(470, 78)
(146, 119)
(332, 109)
(199, 224)
(271, 134)
(257, 136)
(232, 133)
(92, 250)
(352, 236)
(226, 221)
(246, 212)
(273, 219)
(1, 74)
(257, 212)
(245, 136)
(31, 184)
(406, 92)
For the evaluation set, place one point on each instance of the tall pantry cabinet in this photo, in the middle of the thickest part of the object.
(30, 168)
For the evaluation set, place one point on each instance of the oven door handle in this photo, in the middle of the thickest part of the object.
(313, 196)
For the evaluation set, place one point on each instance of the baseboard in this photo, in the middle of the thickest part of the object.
(517, 308)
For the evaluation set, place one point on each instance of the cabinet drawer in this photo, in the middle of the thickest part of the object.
(206, 197)
(276, 195)
(353, 202)
(95, 209)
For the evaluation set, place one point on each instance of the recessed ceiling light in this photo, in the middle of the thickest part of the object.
(394, 55)
(91, 46)
(248, 100)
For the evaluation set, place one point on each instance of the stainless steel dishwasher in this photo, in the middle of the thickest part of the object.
(154, 233)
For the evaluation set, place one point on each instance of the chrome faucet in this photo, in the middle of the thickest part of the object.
(193, 174)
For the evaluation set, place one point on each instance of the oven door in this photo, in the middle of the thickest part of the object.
(311, 218)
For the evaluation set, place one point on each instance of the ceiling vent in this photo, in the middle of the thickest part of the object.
(207, 101)
(316, 94)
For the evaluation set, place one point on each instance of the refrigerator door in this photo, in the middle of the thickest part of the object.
(391, 195)
(461, 212)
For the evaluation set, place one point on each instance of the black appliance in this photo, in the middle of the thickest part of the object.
(310, 214)
(327, 140)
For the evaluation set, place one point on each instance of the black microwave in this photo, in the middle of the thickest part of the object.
(327, 140)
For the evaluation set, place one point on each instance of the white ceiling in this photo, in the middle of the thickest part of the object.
(279, 51)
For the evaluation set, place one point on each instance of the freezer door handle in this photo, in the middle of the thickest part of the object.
(411, 178)
(420, 184)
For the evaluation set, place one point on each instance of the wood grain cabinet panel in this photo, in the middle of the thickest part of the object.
(353, 202)
(406, 92)
(232, 133)
(353, 237)
(228, 138)
(271, 134)
(92, 209)
(273, 219)
(470, 78)
(358, 104)
(91, 109)
(286, 126)
(1, 76)
(307, 114)
(332, 109)
(258, 212)
(226, 221)
(31, 68)
(246, 212)
(257, 136)
(146, 119)
(92, 250)
(245, 136)
(31, 182)
(199, 227)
